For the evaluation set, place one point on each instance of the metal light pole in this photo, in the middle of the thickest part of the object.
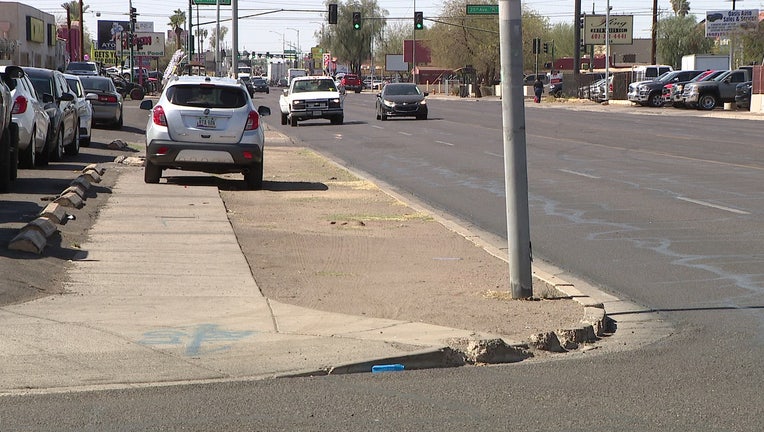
(299, 49)
(82, 32)
(515, 164)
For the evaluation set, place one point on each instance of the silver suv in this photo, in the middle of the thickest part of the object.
(205, 124)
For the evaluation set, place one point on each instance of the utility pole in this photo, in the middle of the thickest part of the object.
(235, 37)
(82, 32)
(515, 159)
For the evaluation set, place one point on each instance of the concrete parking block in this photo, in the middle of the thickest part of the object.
(43, 225)
(28, 241)
(81, 180)
(95, 167)
(77, 189)
(70, 199)
(92, 176)
(55, 212)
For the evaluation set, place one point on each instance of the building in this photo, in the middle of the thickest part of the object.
(28, 37)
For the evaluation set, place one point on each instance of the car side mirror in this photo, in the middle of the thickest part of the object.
(47, 98)
(286, 92)
(426, 94)
(263, 110)
(67, 97)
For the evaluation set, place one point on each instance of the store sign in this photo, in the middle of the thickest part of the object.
(722, 23)
(620, 27)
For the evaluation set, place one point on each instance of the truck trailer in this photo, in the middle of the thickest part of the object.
(705, 62)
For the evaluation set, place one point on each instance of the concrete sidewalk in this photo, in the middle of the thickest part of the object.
(162, 293)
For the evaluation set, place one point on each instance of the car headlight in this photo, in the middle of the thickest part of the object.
(389, 103)
(679, 87)
(424, 102)
(298, 104)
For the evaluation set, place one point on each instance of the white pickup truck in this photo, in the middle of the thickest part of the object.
(311, 97)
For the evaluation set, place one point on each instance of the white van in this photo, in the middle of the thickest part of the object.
(649, 72)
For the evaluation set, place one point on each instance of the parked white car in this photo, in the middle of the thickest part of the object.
(32, 119)
(84, 108)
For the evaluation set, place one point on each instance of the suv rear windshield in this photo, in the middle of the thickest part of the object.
(82, 67)
(206, 96)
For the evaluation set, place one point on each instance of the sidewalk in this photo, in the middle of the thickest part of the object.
(162, 293)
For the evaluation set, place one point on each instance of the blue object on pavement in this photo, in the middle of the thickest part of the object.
(387, 368)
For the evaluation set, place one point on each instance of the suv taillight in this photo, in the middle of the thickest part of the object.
(158, 116)
(20, 105)
(253, 121)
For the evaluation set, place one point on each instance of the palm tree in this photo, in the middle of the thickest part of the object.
(73, 7)
(177, 20)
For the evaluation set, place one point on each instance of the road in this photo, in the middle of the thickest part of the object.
(659, 209)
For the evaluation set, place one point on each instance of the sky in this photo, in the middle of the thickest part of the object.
(297, 28)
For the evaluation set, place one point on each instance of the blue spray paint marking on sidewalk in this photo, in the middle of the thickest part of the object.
(203, 334)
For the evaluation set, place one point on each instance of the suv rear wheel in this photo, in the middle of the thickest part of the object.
(151, 173)
(254, 177)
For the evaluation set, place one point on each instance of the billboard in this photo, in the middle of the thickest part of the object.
(153, 44)
(621, 28)
(108, 31)
(722, 23)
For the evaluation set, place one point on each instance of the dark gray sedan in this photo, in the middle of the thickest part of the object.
(401, 100)
(105, 99)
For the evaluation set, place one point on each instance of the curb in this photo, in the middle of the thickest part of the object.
(33, 237)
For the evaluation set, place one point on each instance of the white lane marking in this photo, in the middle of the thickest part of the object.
(405, 133)
(494, 154)
(446, 143)
(579, 173)
(708, 204)
(377, 127)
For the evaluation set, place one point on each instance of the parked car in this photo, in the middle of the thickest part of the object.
(82, 68)
(282, 82)
(207, 124)
(707, 95)
(651, 92)
(105, 100)
(400, 100)
(672, 93)
(63, 132)
(28, 114)
(8, 130)
(260, 85)
(84, 108)
(556, 89)
(352, 82)
(743, 95)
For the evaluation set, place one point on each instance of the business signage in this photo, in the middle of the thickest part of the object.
(109, 31)
(35, 29)
(152, 45)
(722, 23)
(620, 27)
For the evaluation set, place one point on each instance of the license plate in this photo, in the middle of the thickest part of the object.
(316, 113)
(205, 122)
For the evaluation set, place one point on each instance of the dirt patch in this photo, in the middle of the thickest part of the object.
(318, 236)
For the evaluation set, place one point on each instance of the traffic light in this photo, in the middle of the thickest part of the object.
(418, 20)
(536, 45)
(133, 15)
(546, 47)
(332, 13)
(356, 20)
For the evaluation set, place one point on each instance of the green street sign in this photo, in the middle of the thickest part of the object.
(289, 51)
(212, 2)
(482, 9)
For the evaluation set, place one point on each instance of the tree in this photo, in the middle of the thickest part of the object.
(679, 36)
(73, 7)
(680, 7)
(347, 44)
(177, 20)
(458, 39)
(214, 39)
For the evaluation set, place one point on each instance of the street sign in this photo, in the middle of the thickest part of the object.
(212, 2)
(482, 9)
(289, 51)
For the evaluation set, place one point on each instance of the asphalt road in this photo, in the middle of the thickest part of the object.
(659, 209)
